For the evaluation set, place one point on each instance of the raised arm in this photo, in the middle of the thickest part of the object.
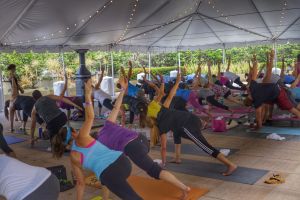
(282, 73)
(114, 113)
(270, 57)
(209, 72)
(129, 70)
(97, 86)
(89, 111)
(62, 94)
(172, 92)
(219, 70)
(228, 64)
(254, 69)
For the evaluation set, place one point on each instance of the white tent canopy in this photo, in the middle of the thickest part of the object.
(145, 25)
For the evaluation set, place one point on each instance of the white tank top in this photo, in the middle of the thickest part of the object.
(100, 95)
(18, 180)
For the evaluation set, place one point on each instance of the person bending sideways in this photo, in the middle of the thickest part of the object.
(266, 93)
(182, 124)
(46, 108)
(111, 167)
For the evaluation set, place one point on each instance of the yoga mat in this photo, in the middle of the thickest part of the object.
(240, 110)
(212, 170)
(284, 118)
(92, 181)
(151, 189)
(225, 115)
(191, 149)
(77, 124)
(278, 130)
(13, 140)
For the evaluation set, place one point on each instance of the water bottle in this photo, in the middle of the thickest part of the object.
(40, 132)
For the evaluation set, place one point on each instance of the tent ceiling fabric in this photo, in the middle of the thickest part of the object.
(143, 25)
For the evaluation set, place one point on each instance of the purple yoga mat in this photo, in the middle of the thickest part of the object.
(225, 115)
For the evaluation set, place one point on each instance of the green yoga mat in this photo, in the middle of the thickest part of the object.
(192, 149)
(212, 170)
(277, 130)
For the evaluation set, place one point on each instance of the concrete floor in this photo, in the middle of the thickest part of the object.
(256, 152)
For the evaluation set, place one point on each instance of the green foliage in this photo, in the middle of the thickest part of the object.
(32, 67)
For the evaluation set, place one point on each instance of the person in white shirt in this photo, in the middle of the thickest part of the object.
(20, 181)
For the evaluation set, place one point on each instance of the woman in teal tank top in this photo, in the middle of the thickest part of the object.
(111, 167)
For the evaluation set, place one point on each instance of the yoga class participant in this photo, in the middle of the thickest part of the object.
(20, 181)
(46, 108)
(266, 93)
(24, 103)
(232, 77)
(182, 124)
(111, 167)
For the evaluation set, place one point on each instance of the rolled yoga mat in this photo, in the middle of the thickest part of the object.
(277, 130)
(213, 170)
(191, 149)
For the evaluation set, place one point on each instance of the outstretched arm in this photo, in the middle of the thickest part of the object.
(209, 72)
(65, 100)
(270, 57)
(130, 70)
(282, 73)
(80, 183)
(254, 68)
(172, 92)
(219, 70)
(228, 64)
(33, 124)
(114, 113)
(89, 111)
(62, 94)
(97, 86)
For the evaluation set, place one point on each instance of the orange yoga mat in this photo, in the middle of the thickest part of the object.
(150, 189)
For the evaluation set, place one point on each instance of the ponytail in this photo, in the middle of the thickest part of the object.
(58, 146)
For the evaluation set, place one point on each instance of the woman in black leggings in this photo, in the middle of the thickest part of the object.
(183, 124)
(111, 167)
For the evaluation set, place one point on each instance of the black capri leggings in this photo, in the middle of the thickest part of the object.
(3, 144)
(49, 190)
(192, 131)
(214, 102)
(115, 177)
(137, 150)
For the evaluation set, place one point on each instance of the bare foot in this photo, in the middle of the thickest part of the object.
(177, 161)
(230, 170)
(185, 193)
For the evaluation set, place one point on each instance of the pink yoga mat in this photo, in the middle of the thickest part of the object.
(226, 115)
(235, 110)
(284, 118)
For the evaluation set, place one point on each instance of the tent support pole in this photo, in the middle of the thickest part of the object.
(1, 93)
(179, 61)
(149, 64)
(112, 71)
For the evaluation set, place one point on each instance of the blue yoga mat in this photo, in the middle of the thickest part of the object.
(13, 140)
(213, 170)
(278, 130)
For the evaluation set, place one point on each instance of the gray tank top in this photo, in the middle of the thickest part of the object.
(47, 109)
